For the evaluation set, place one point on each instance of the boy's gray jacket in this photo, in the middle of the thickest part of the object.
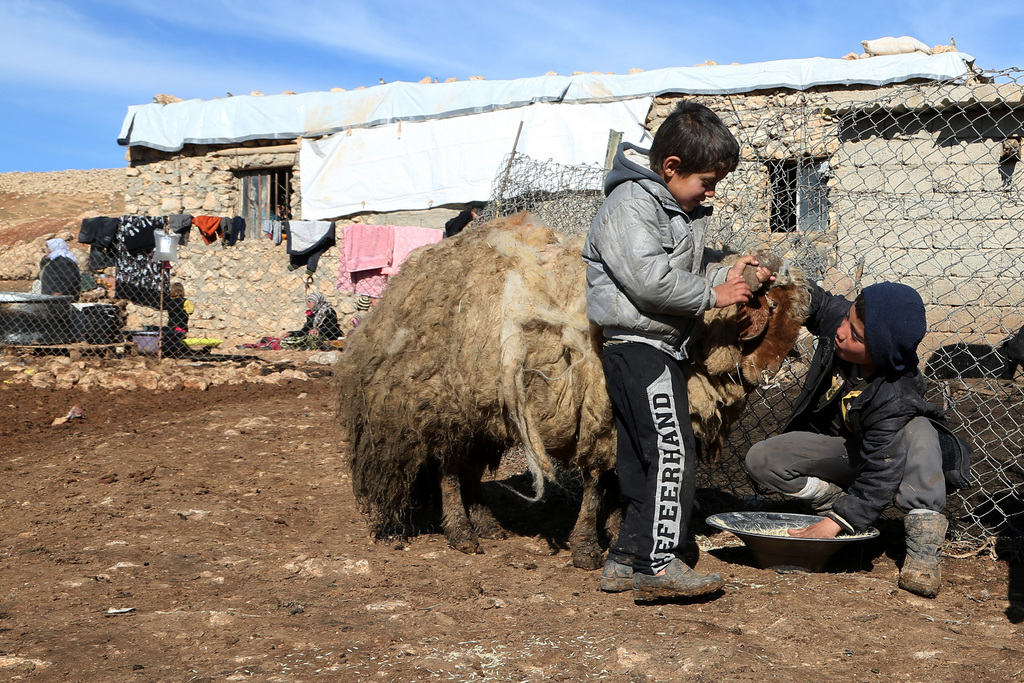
(646, 260)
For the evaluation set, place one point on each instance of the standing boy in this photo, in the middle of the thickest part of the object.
(862, 433)
(646, 284)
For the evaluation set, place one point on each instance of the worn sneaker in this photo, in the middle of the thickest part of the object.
(678, 581)
(616, 577)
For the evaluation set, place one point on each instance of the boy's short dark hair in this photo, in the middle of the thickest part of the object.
(860, 307)
(698, 137)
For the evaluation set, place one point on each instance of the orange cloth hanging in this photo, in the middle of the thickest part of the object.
(209, 227)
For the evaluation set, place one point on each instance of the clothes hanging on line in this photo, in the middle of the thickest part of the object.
(365, 282)
(98, 230)
(368, 246)
(237, 231)
(181, 224)
(209, 227)
(138, 279)
(307, 242)
(135, 233)
(408, 238)
(272, 230)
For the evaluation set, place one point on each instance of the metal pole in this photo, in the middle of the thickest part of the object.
(614, 138)
(508, 170)
(160, 316)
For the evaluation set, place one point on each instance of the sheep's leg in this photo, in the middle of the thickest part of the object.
(586, 548)
(457, 528)
(480, 515)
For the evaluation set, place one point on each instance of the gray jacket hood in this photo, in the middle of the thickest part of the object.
(624, 169)
(646, 260)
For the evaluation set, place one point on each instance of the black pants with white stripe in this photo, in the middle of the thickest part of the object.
(655, 457)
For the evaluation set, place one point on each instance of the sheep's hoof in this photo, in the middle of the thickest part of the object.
(464, 543)
(484, 523)
(495, 533)
(587, 555)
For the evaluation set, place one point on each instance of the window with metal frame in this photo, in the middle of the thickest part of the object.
(266, 195)
(799, 195)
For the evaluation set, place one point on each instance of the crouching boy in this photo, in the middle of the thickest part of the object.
(647, 281)
(861, 432)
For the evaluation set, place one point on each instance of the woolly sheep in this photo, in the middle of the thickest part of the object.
(481, 343)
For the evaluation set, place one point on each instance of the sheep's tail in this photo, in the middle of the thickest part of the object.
(513, 387)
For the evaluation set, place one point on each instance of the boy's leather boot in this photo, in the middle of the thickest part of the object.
(678, 581)
(925, 532)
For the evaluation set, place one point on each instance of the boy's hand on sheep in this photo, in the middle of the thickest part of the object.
(751, 270)
(743, 278)
(734, 291)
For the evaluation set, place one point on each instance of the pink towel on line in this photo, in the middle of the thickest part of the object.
(370, 282)
(368, 246)
(408, 238)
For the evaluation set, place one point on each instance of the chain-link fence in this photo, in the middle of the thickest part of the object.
(917, 184)
(180, 286)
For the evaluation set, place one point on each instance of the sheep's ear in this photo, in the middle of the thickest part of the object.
(750, 276)
(782, 276)
(754, 316)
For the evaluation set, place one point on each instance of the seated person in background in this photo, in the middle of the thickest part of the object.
(178, 308)
(455, 225)
(60, 273)
(861, 432)
(321, 319)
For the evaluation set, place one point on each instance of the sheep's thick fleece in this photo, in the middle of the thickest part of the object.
(646, 260)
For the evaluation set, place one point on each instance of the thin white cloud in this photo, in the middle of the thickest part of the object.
(51, 45)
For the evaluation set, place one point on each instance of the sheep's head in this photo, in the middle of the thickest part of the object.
(770, 322)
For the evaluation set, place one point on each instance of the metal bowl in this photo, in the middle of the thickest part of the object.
(783, 552)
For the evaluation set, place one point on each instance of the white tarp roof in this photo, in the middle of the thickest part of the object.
(279, 117)
(420, 164)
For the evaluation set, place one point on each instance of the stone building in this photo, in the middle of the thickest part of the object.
(886, 168)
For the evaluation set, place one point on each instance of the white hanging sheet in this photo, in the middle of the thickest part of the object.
(417, 165)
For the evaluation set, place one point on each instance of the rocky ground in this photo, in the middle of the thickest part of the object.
(212, 535)
(193, 520)
(129, 373)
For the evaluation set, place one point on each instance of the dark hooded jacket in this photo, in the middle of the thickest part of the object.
(61, 276)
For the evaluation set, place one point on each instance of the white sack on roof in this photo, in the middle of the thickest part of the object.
(418, 165)
(285, 117)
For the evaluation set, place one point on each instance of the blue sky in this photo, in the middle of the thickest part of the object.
(69, 69)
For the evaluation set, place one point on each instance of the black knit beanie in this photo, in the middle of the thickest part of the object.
(894, 324)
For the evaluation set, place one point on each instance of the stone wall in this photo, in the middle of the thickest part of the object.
(919, 190)
(203, 179)
(924, 188)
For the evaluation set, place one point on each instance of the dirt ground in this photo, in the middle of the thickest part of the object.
(194, 536)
